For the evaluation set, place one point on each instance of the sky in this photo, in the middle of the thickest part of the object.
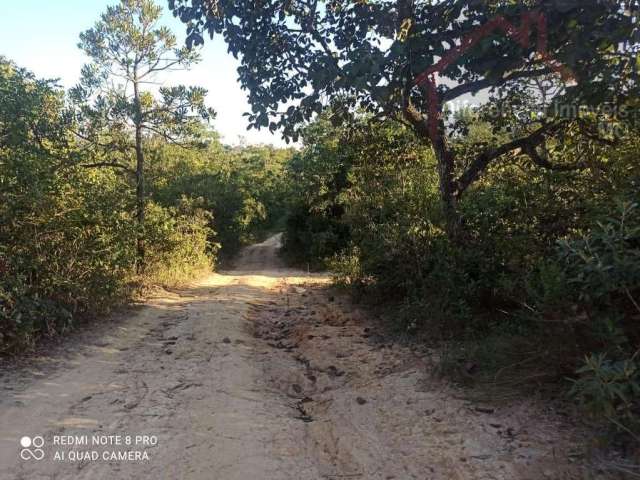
(42, 36)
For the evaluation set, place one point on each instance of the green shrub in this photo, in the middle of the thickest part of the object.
(67, 233)
(242, 187)
(603, 266)
(546, 270)
(610, 389)
(65, 252)
(178, 240)
(602, 271)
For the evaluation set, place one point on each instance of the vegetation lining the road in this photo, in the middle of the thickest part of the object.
(510, 233)
(111, 187)
(511, 229)
(543, 286)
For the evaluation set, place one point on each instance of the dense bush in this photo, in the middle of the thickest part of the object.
(63, 254)
(68, 232)
(602, 272)
(178, 240)
(317, 177)
(241, 186)
(59, 239)
(546, 266)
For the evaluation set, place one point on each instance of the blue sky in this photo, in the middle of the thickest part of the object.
(42, 35)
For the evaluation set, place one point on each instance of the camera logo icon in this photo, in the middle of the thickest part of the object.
(32, 448)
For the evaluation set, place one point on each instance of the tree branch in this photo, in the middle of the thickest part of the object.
(474, 87)
(120, 147)
(543, 162)
(166, 136)
(315, 34)
(591, 135)
(482, 161)
(107, 164)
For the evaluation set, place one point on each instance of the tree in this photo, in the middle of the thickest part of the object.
(128, 50)
(298, 56)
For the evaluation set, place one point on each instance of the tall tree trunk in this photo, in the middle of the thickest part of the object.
(140, 193)
(445, 162)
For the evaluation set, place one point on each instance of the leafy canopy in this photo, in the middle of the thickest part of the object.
(369, 53)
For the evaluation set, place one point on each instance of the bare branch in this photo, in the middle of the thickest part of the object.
(166, 136)
(543, 162)
(107, 164)
(480, 163)
(478, 85)
(591, 135)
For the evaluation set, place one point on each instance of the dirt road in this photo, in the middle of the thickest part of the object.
(258, 373)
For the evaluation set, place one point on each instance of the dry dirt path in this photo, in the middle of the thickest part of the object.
(259, 373)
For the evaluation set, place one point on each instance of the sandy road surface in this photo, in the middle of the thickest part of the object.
(259, 373)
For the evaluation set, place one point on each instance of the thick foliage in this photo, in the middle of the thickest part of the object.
(405, 60)
(317, 176)
(242, 186)
(602, 272)
(544, 256)
(368, 54)
(68, 231)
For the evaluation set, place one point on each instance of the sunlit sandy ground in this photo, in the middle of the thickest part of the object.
(260, 372)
